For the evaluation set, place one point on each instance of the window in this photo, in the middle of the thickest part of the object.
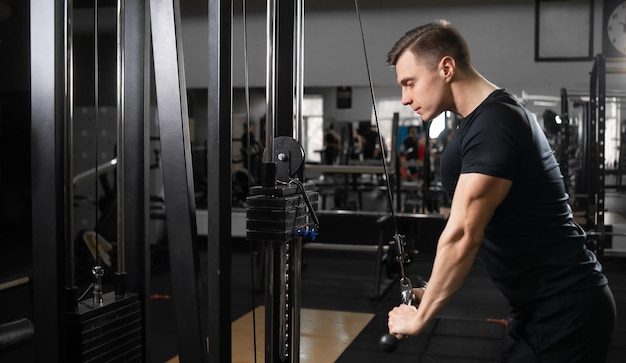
(612, 133)
(313, 127)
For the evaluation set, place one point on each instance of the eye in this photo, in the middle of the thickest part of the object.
(407, 83)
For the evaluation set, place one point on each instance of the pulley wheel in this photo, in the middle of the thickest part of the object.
(289, 156)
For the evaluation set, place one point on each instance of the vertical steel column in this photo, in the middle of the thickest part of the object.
(592, 142)
(582, 185)
(68, 104)
(564, 139)
(280, 85)
(299, 69)
(395, 159)
(274, 252)
(171, 96)
(601, 112)
(298, 81)
(48, 88)
(283, 250)
(220, 15)
(137, 67)
(271, 104)
(621, 166)
(597, 96)
(285, 45)
(120, 273)
(428, 196)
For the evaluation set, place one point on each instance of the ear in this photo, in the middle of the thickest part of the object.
(447, 67)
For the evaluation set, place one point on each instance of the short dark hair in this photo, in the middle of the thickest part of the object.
(432, 42)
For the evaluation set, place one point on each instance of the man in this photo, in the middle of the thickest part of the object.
(509, 206)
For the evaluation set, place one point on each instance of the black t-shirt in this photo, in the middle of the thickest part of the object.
(532, 248)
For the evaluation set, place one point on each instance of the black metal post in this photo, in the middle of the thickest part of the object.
(427, 194)
(395, 159)
(564, 138)
(285, 26)
(137, 68)
(592, 142)
(220, 14)
(597, 125)
(47, 168)
(601, 143)
(177, 175)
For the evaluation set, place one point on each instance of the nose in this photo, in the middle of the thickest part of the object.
(406, 98)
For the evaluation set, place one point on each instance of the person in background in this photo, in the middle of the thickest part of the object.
(509, 207)
(332, 145)
(413, 149)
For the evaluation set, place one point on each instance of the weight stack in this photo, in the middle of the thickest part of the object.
(277, 214)
(111, 332)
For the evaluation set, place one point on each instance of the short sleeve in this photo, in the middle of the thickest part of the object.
(491, 143)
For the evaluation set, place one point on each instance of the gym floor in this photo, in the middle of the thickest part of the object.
(339, 319)
(342, 283)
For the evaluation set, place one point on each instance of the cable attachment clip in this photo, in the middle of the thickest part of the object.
(406, 292)
(399, 254)
(310, 233)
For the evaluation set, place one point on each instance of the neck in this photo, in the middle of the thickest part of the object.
(469, 91)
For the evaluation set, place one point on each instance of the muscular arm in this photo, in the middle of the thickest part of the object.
(475, 199)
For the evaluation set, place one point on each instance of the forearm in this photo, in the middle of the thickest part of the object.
(452, 264)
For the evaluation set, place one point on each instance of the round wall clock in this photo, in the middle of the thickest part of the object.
(614, 44)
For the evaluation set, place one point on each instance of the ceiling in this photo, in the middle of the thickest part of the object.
(200, 7)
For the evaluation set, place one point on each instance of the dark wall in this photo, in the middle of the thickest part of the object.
(15, 200)
(14, 46)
